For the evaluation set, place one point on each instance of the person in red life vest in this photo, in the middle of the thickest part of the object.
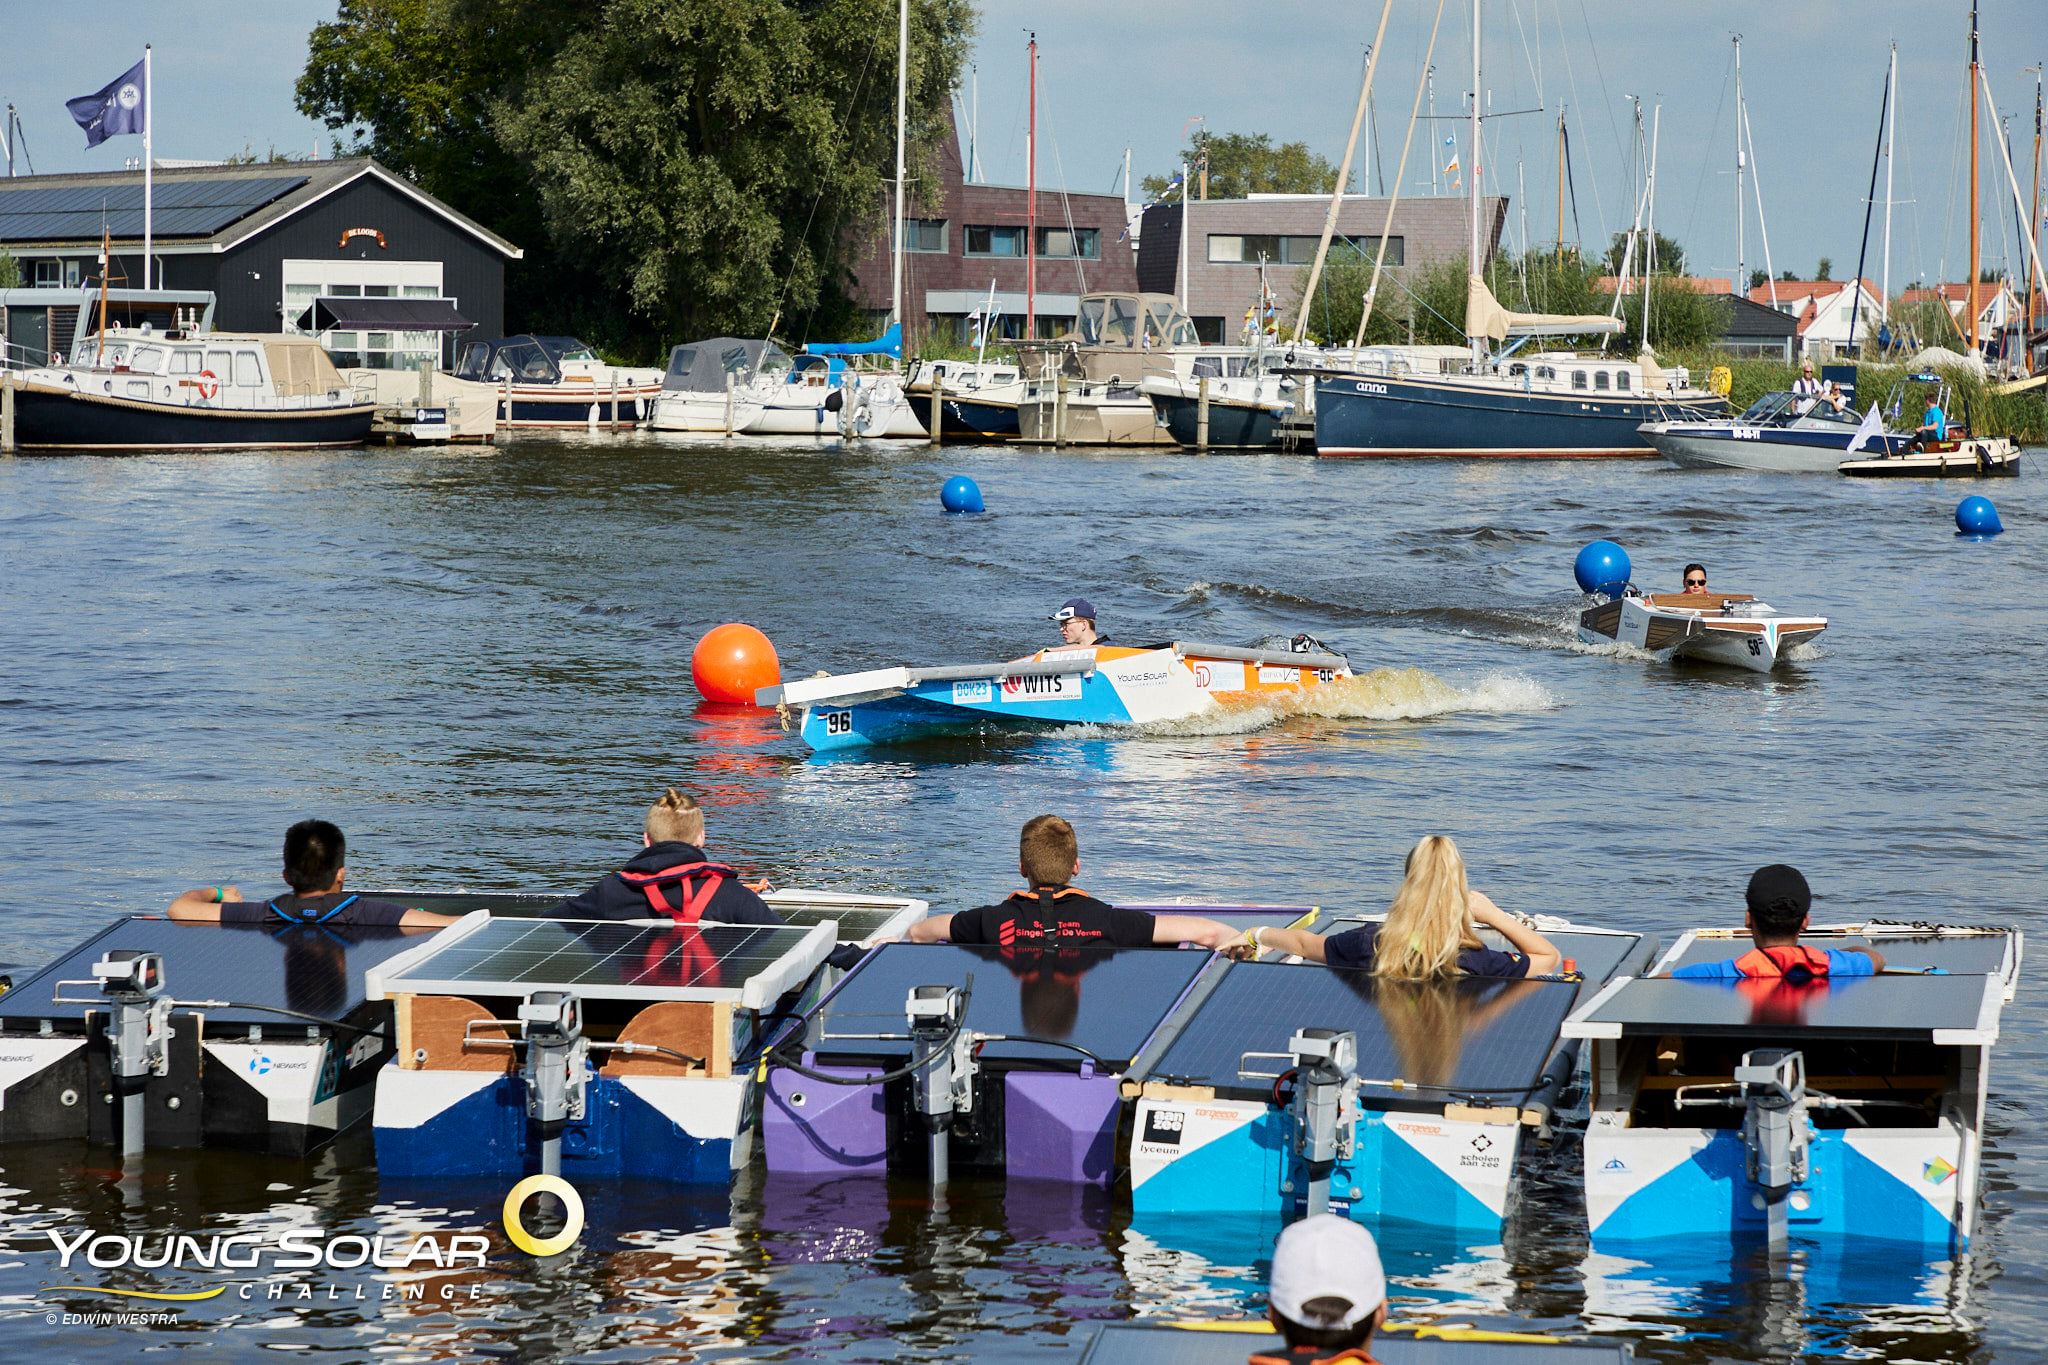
(1328, 1293)
(671, 878)
(1053, 911)
(1779, 900)
(1431, 929)
(314, 857)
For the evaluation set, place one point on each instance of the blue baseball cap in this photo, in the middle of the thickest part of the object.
(1072, 607)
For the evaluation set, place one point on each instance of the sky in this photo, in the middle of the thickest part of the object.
(1134, 73)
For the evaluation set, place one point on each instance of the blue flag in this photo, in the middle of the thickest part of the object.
(112, 111)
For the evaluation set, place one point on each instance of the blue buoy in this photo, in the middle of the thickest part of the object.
(961, 494)
(1975, 516)
(1602, 567)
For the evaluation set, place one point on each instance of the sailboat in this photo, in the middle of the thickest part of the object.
(1504, 402)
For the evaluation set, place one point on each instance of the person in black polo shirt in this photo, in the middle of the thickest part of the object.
(314, 854)
(1054, 911)
(671, 878)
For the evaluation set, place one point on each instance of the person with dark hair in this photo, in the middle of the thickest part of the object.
(1076, 618)
(671, 878)
(1328, 1293)
(1051, 910)
(1695, 580)
(315, 855)
(1778, 903)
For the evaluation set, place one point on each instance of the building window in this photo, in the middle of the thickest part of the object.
(72, 274)
(49, 274)
(1070, 243)
(995, 241)
(925, 234)
(1251, 249)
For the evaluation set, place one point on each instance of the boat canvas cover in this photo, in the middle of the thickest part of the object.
(701, 366)
(382, 314)
(298, 366)
(1485, 317)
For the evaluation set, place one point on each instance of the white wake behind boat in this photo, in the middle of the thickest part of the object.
(1719, 627)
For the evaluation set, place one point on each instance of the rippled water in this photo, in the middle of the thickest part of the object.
(477, 663)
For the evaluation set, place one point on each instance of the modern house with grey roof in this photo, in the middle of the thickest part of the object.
(266, 241)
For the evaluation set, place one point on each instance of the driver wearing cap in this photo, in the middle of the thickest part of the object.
(1328, 1292)
(1077, 623)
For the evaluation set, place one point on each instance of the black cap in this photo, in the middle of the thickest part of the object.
(1779, 886)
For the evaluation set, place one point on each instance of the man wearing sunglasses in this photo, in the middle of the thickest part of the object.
(1696, 580)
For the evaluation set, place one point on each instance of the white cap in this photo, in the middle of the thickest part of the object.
(1327, 1257)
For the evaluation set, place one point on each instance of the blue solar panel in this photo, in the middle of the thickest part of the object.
(182, 208)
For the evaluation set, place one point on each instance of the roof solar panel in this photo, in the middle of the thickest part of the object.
(861, 919)
(1865, 1006)
(1468, 1034)
(1106, 1000)
(181, 208)
(1978, 954)
(608, 960)
(313, 969)
(1138, 1344)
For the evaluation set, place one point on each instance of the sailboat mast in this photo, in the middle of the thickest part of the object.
(1560, 182)
(902, 100)
(1472, 179)
(1970, 289)
(1315, 270)
(1741, 281)
(1031, 205)
(1890, 129)
(2034, 225)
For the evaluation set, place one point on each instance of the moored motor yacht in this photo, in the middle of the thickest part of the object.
(718, 385)
(1780, 433)
(555, 381)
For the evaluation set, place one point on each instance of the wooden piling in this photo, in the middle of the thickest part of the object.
(938, 400)
(615, 400)
(728, 402)
(6, 412)
(1202, 413)
(1059, 409)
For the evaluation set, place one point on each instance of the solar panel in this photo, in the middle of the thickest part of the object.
(1865, 1006)
(1106, 1000)
(1958, 955)
(608, 960)
(312, 969)
(181, 208)
(861, 919)
(1469, 1033)
(1138, 1344)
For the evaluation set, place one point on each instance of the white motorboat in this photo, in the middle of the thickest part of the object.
(1719, 627)
(717, 385)
(553, 381)
(1781, 433)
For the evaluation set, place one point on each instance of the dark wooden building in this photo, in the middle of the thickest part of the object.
(266, 240)
(962, 238)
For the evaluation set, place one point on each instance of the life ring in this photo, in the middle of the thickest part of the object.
(208, 384)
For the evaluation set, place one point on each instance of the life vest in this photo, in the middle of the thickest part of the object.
(1793, 961)
(696, 883)
(326, 915)
(1312, 1355)
(1043, 917)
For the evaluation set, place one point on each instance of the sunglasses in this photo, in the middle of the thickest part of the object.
(1695, 582)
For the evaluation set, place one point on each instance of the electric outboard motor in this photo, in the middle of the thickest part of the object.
(1325, 1105)
(945, 1085)
(138, 1031)
(556, 1070)
(1774, 1127)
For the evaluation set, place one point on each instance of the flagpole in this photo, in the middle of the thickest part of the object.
(148, 177)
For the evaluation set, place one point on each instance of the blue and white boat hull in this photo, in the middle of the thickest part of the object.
(1475, 416)
(1734, 445)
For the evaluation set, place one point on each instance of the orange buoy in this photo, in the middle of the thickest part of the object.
(731, 661)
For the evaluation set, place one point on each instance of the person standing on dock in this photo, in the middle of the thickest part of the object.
(314, 853)
(671, 878)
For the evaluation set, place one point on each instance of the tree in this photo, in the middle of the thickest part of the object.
(1824, 270)
(673, 169)
(1247, 163)
(1759, 278)
(1670, 255)
(10, 271)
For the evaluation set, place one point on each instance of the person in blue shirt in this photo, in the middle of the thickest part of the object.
(1431, 929)
(1779, 900)
(1933, 426)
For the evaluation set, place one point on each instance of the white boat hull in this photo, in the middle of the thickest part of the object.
(1754, 636)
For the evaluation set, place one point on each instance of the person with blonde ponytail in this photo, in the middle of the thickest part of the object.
(671, 878)
(1432, 929)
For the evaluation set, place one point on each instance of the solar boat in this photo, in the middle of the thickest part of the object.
(1061, 686)
(155, 1033)
(595, 1048)
(1284, 1088)
(934, 1058)
(1824, 1111)
(1719, 627)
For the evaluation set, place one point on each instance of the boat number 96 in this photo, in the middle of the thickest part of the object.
(841, 722)
(1756, 647)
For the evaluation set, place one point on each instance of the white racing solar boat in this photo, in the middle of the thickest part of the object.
(1064, 685)
(1825, 1111)
(1719, 627)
